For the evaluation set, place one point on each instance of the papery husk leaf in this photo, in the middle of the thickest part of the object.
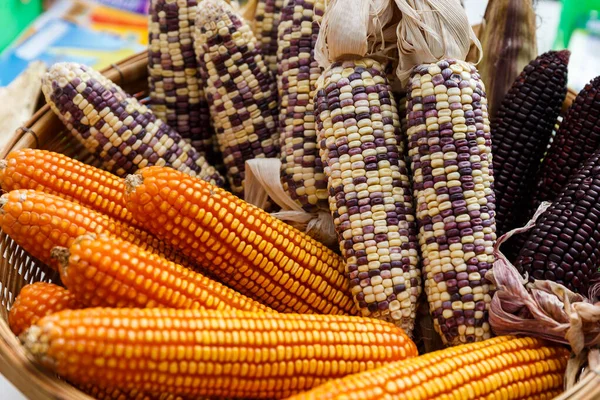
(432, 30)
(248, 12)
(354, 29)
(508, 39)
(263, 181)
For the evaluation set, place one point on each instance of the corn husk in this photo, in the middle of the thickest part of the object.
(508, 39)
(430, 31)
(356, 28)
(549, 311)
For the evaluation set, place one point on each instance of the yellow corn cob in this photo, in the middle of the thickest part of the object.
(243, 246)
(115, 394)
(500, 368)
(38, 221)
(212, 353)
(37, 300)
(109, 272)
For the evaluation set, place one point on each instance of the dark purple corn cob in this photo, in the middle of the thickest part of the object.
(176, 90)
(240, 89)
(124, 134)
(576, 140)
(564, 245)
(521, 133)
(370, 199)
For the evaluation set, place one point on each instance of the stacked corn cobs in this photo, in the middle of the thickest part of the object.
(168, 286)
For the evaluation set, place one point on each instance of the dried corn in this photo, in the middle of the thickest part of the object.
(37, 300)
(176, 90)
(450, 149)
(38, 221)
(521, 134)
(65, 177)
(241, 92)
(212, 353)
(302, 172)
(267, 17)
(369, 191)
(110, 393)
(564, 244)
(242, 245)
(115, 127)
(108, 272)
(576, 140)
(504, 368)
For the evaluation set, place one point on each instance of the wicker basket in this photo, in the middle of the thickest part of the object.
(17, 268)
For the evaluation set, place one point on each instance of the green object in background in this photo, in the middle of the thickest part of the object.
(577, 14)
(15, 16)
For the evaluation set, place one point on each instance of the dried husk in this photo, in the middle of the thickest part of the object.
(508, 39)
(430, 31)
(263, 182)
(356, 28)
(549, 311)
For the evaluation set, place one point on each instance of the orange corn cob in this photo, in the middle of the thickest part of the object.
(65, 177)
(110, 272)
(99, 393)
(242, 245)
(37, 300)
(38, 222)
(504, 368)
(212, 353)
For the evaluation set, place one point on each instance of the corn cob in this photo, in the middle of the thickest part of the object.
(576, 140)
(176, 90)
(65, 177)
(564, 244)
(243, 246)
(38, 221)
(212, 353)
(369, 192)
(450, 150)
(267, 19)
(302, 172)
(241, 92)
(115, 394)
(504, 368)
(521, 134)
(108, 272)
(37, 300)
(115, 127)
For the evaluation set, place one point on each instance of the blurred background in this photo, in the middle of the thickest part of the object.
(102, 32)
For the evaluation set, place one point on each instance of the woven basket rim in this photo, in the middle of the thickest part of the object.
(15, 364)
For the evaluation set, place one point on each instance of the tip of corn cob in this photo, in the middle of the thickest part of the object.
(133, 181)
(60, 255)
(564, 55)
(3, 164)
(212, 10)
(37, 344)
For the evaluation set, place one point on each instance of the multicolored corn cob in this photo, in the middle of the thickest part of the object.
(107, 272)
(369, 190)
(302, 172)
(576, 140)
(564, 244)
(38, 222)
(241, 92)
(37, 300)
(521, 133)
(267, 19)
(450, 149)
(115, 127)
(176, 90)
(243, 246)
(504, 368)
(212, 353)
(57, 174)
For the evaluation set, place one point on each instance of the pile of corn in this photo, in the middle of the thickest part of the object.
(173, 287)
